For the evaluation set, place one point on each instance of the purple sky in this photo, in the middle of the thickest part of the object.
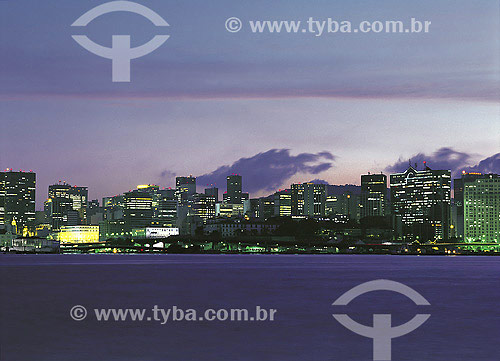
(289, 107)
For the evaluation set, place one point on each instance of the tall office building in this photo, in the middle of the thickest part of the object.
(421, 204)
(266, 207)
(346, 204)
(373, 195)
(458, 201)
(66, 205)
(125, 213)
(185, 187)
(165, 208)
(214, 192)
(17, 202)
(308, 199)
(203, 206)
(234, 190)
(112, 207)
(283, 203)
(481, 198)
(137, 210)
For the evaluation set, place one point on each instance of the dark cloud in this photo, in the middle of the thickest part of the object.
(269, 170)
(448, 158)
(167, 176)
(488, 165)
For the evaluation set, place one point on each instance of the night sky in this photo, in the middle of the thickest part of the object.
(276, 108)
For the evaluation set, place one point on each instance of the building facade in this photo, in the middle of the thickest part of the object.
(373, 195)
(17, 202)
(308, 199)
(481, 199)
(66, 205)
(421, 204)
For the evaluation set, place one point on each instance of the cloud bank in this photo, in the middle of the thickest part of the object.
(269, 170)
(448, 158)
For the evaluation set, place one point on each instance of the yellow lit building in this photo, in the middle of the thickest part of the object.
(78, 234)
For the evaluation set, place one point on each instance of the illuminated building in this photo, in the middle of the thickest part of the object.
(229, 228)
(308, 199)
(164, 204)
(66, 205)
(373, 195)
(251, 207)
(165, 208)
(283, 203)
(214, 192)
(124, 213)
(17, 202)
(458, 198)
(93, 207)
(421, 205)
(154, 232)
(229, 210)
(234, 187)
(137, 209)
(266, 207)
(346, 204)
(331, 205)
(203, 206)
(185, 187)
(78, 234)
(482, 209)
(113, 207)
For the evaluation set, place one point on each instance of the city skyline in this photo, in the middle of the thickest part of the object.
(418, 203)
(445, 158)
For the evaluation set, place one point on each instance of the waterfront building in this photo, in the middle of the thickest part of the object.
(481, 202)
(214, 192)
(66, 205)
(154, 232)
(373, 195)
(185, 187)
(77, 234)
(421, 205)
(233, 194)
(308, 199)
(17, 202)
(203, 206)
(283, 203)
(458, 201)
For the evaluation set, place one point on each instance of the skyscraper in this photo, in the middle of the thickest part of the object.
(214, 192)
(234, 187)
(66, 205)
(373, 195)
(458, 199)
(125, 213)
(421, 205)
(165, 208)
(203, 206)
(185, 187)
(308, 199)
(482, 209)
(17, 201)
(283, 203)
(137, 210)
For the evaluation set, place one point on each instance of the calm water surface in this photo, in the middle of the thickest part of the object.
(37, 293)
